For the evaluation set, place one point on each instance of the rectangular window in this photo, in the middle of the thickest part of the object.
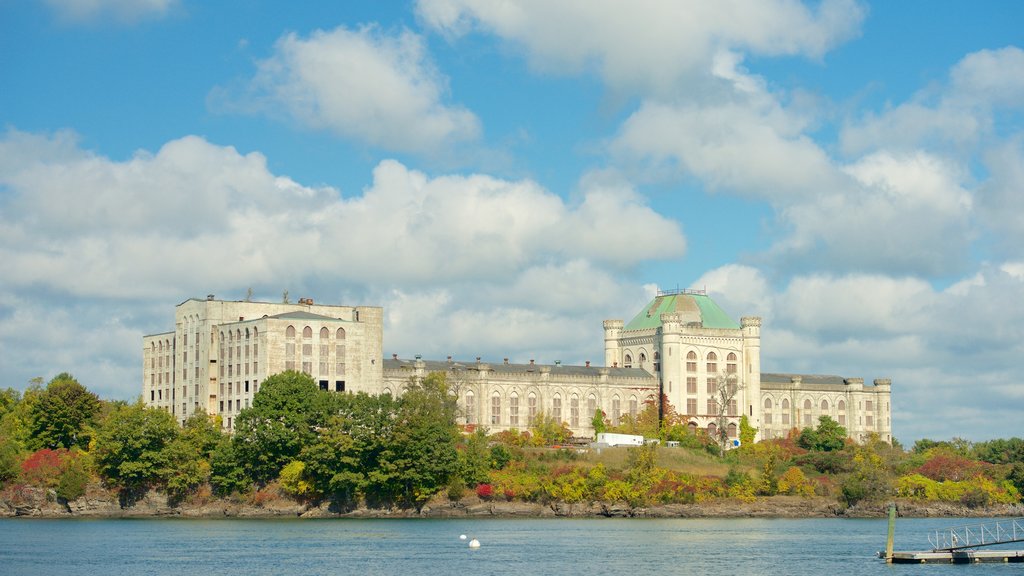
(255, 367)
(246, 385)
(785, 418)
(324, 366)
(231, 370)
(152, 395)
(495, 409)
(339, 385)
(289, 349)
(339, 369)
(230, 403)
(712, 386)
(574, 412)
(868, 406)
(691, 366)
(632, 408)
(869, 420)
(221, 405)
(691, 384)
(470, 408)
(307, 349)
(255, 349)
(289, 364)
(732, 408)
(325, 351)
(767, 417)
(339, 351)
(531, 410)
(197, 372)
(691, 406)
(712, 367)
(616, 412)
(184, 373)
(513, 411)
(712, 406)
(591, 406)
(307, 367)
(556, 410)
(323, 385)
(842, 419)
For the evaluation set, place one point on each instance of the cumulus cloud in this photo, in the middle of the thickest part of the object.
(651, 47)
(376, 88)
(957, 114)
(125, 11)
(451, 257)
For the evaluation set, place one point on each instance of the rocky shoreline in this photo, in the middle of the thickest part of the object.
(102, 503)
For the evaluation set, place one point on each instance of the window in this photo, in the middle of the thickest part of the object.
(324, 384)
(767, 416)
(713, 430)
(289, 332)
(627, 362)
(307, 332)
(495, 409)
(289, 350)
(616, 411)
(574, 411)
(632, 407)
(691, 361)
(691, 406)
(808, 417)
(841, 407)
(712, 363)
(513, 410)
(591, 405)
(868, 406)
(531, 408)
(470, 408)
(712, 386)
(657, 362)
(340, 334)
(325, 333)
(556, 409)
(712, 406)
(732, 408)
(643, 359)
(339, 369)
(732, 430)
(246, 385)
(691, 384)
(824, 406)
(730, 366)
(785, 411)
(307, 367)
(339, 385)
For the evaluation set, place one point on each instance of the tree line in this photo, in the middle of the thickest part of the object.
(298, 441)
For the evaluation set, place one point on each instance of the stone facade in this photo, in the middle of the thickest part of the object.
(681, 345)
(220, 351)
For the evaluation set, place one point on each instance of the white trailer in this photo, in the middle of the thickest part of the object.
(611, 439)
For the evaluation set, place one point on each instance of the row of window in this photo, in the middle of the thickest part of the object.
(533, 404)
(307, 333)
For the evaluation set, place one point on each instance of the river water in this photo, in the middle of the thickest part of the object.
(523, 547)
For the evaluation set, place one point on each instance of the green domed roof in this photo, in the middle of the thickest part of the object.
(695, 307)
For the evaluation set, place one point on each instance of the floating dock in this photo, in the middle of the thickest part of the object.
(957, 557)
(961, 545)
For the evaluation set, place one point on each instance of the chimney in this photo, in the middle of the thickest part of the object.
(531, 361)
(506, 360)
(209, 297)
(477, 359)
(394, 356)
(615, 364)
(588, 363)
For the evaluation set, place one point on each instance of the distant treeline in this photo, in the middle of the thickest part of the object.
(304, 443)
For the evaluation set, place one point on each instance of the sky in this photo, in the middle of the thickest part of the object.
(501, 177)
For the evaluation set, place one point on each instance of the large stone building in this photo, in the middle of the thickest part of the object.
(681, 344)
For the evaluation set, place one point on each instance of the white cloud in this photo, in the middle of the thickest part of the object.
(126, 11)
(98, 248)
(955, 115)
(379, 89)
(650, 47)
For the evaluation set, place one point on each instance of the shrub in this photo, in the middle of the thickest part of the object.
(293, 481)
(43, 467)
(456, 489)
(794, 482)
(484, 491)
(73, 480)
(975, 498)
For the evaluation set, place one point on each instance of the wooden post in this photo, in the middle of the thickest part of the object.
(892, 533)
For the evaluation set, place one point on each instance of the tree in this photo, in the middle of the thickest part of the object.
(130, 445)
(828, 437)
(747, 432)
(188, 455)
(282, 420)
(62, 413)
(598, 422)
(727, 385)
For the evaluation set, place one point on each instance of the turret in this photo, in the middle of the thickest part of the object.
(751, 327)
(612, 353)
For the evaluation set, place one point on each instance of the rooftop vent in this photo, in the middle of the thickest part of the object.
(209, 297)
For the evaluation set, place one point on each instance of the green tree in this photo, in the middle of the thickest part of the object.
(828, 437)
(226, 472)
(74, 478)
(284, 416)
(131, 445)
(188, 455)
(598, 422)
(474, 458)
(61, 414)
(747, 432)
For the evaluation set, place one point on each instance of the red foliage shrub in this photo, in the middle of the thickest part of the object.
(43, 467)
(485, 491)
(942, 467)
(509, 494)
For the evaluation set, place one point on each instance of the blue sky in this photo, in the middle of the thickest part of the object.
(502, 177)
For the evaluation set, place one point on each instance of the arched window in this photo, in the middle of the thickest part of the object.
(495, 408)
(255, 332)
(691, 362)
(731, 430)
(591, 405)
(556, 408)
(785, 411)
(730, 366)
(627, 361)
(808, 417)
(824, 406)
(307, 332)
(325, 334)
(713, 430)
(289, 332)
(692, 426)
(841, 416)
(531, 408)
(712, 363)
(513, 409)
(767, 416)
(643, 359)
(470, 407)
(616, 411)
(632, 407)
(657, 364)
(247, 335)
(574, 411)
(340, 334)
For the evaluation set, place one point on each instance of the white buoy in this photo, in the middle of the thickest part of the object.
(462, 537)
(474, 543)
